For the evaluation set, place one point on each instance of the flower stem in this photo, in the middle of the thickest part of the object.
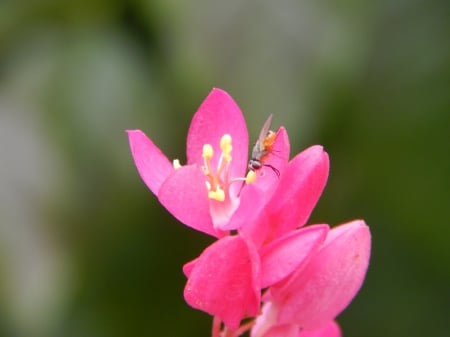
(243, 329)
(216, 327)
(239, 332)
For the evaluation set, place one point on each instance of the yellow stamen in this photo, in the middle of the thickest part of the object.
(208, 151)
(218, 194)
(217, 177)
(226, 147)
(251, 177)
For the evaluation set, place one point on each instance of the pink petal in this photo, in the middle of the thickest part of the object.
(219, 115)
(331, 329)
(184, 194)
(282, 330)
(300, 187)
(222, 211)
(266, 324)
(289, 253)
(251, 204)
(187, 268)
(266, 319)
(152, 165)
(319, 292)
(256, 230)
(225, 281)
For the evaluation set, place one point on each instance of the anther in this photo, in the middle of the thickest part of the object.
(176, 164)
(218, 194)
(251, 177)
(226, 147)
(208, 151)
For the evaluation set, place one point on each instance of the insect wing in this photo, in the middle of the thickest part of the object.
(263, 133)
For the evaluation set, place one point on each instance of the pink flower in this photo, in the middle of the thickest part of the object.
(226, 280)
(311, 273)
(209, 193)
(312, 297)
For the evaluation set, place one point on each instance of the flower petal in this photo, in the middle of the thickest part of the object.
(265, 320)
(225, 281)
(282, 330)
(184, 194)
(219, 115)
(319, 292)
(287, 254)
(300, 187)
(188, 266)
(256, 230)
(251, 203)
(152, 165)
(331, 329)
(266, 324)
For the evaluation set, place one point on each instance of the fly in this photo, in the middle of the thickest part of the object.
(263, 148)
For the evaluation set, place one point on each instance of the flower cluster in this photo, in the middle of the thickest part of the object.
(289, 280)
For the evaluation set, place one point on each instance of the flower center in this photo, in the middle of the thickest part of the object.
(218, 179)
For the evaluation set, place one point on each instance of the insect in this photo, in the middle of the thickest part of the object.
(263, 148)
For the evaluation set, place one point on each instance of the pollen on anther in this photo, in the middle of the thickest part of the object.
(226, 147)
(208, 151)
(218, 194)
(251, 177)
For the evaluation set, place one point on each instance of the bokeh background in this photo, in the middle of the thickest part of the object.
(85, 248)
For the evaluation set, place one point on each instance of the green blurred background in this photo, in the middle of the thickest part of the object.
(85, 248)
